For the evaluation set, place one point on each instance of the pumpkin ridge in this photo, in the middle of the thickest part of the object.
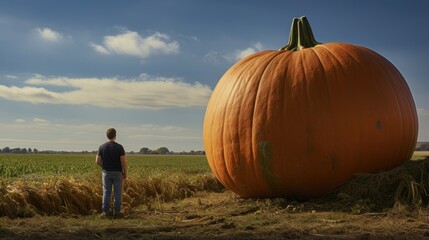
(410, 117)
(232, 75)
(381, 66)
(212, 164)
(340, 155)
(306, 120)
(281, 70)
(313, 154)
(403, 90)
(254, 141)
(240, 81)
(333, 155)
(286, 90)
(364, 63)
(362, 150)
(410, 106)
(249, 162)
(232, 183)
(342, 76)
(225, 180)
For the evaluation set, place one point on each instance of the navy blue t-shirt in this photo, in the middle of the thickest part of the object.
(110, 153)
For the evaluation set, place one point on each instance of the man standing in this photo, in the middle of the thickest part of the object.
(111, 158)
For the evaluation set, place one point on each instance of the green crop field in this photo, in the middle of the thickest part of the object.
(79, 165)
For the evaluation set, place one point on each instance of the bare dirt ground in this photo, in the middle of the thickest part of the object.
(224, 216)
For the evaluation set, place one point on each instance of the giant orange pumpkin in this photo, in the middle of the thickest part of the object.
(302, 120)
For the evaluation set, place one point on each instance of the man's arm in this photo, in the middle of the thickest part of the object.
(124, 166)
(99, 161)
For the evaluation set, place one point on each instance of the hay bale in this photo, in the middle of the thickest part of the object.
(406, 185)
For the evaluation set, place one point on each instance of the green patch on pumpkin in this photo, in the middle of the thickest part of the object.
(265, 162)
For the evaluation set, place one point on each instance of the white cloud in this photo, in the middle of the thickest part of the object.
(239, 54)
(40, 120)
(19, 120)
(212, 57)
(48, 34)
(11, 76)
(146, 92)
(194, 38)
(100, 49)
(146, 137)
(158, 128)
(131, 43)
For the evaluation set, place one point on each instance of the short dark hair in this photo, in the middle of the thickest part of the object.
(111, 133)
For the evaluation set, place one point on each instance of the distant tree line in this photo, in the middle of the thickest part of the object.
(422, 146)
(164, 150)
(18, 150)
(35, 150)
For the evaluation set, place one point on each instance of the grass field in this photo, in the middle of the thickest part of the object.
(79, 165)
(176, 197)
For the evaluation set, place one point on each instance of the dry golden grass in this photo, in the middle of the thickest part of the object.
(66, 195)
(154, 190)
(405, 186)
(54, 197)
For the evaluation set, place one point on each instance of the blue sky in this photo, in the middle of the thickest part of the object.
(71, 69)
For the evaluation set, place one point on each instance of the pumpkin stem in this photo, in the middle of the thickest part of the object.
(301, 36)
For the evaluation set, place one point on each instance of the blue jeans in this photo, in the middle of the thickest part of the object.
(110, 178)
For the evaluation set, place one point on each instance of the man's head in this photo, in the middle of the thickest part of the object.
(111, 134)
